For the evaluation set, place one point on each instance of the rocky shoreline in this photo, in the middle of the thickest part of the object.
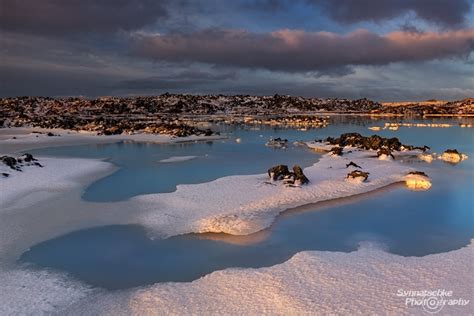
(178, 115)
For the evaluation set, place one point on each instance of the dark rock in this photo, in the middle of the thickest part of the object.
(373, 142)
(452, 151)
(418, 173)
(50, 134)
(336, 151)
(385, 151)
(353, 164)
(299, 175)
(6, 175)
(28, 157)
(358, 173)
(279, 172)
(10, 162)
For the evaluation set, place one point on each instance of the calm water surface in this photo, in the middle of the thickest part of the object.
(404, 222)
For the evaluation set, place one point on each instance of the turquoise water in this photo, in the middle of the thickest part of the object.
(404, 222)
(140, 170)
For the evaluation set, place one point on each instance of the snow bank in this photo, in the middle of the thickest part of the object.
(242, 205)
(177, 159)
(366, 281)
(34, 184)
(37, 292)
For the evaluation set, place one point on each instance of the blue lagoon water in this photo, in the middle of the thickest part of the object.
(404, 222)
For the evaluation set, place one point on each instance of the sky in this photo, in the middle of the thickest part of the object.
(391, 50)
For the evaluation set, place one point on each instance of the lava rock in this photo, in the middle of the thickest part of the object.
(358, 174)
(299, 176)
(10, 162)
(353, 164)
(279, 172)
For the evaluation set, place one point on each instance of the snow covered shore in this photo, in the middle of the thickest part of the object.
(22, 138)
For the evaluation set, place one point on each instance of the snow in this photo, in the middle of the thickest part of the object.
(34, 184)
(316, 282)
(28, 138)
(452, 157)
(37, 292)
(177, 159)
(417, 182)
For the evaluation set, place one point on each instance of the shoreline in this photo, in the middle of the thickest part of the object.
(26, 139)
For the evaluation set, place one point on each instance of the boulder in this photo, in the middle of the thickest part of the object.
(299, 177)
(279, 172)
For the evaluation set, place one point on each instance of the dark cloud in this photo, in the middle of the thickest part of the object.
(58, 17)
(188, 79)
(299, 51)
(443, 12)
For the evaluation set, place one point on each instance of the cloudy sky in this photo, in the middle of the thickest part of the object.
(383, 50)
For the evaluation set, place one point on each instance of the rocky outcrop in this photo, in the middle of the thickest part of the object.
(299, 177)
(282, 173)
(18, 163)
(279, 172)
(373, 142)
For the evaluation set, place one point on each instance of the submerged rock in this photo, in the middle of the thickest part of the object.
(452, 156)
(358, 175)
(277, 142)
